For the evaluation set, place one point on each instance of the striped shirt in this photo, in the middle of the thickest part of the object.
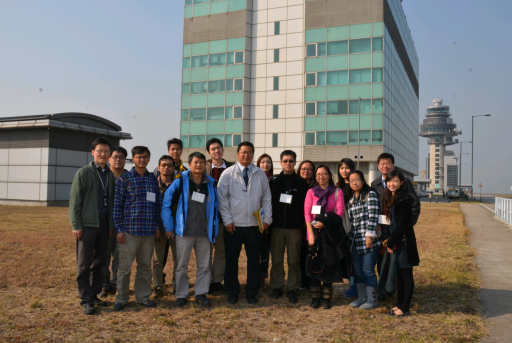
(134, 212)
(364, 215)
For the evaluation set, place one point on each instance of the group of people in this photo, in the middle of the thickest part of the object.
(329, 231)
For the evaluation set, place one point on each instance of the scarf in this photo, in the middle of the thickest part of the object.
(180, 168)
(323, 195)
(269, 176)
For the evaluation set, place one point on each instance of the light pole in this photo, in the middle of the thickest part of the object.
(473, 145)
(460, 162)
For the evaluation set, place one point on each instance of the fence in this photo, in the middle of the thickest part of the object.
(503, 209)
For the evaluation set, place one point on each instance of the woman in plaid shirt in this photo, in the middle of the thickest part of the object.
(363, 209)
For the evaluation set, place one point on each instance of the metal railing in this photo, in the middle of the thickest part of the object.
(503, 210)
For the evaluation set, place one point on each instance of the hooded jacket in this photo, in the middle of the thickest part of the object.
(288, 216)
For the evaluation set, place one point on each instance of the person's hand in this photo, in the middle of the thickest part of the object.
(318, 226)
(158, 233)
(77, 234)
(311, 239)
(169, 235)
(110, 233)
(120, 237)
(265, 227)
(230, 228)
(390, 251)
(369, 242)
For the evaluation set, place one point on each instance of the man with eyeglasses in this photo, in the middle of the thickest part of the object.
(160, 254)
(91, 201)
(137, 218)
(243, 190)
(288, 196)
(117, 162)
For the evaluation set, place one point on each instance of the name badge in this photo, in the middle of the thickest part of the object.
(383, 220)
(316, 209)
(199, 197)
(105, 201)
(151, 196)
(286, 198)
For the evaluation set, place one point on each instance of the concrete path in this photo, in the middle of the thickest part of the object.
(493, 242)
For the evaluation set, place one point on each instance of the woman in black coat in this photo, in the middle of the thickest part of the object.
(397, 207)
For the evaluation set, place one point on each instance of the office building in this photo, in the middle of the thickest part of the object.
(327, 78)
(451, 170)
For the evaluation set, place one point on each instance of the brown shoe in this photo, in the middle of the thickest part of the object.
(103, 294)
(157, 294)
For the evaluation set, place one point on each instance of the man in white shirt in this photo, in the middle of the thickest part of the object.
(243, 189)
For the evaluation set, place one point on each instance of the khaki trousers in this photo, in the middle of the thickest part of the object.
(201, 246)
(139, 248)
(290, 239)
(159, 262)
(219, 257)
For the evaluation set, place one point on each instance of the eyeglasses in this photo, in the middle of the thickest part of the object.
(288, 161)
(385, 164)
(306, 170)
(355, 181)
(246, 153)
(103, 152)
(167, 165)
(322, 174)
(118, 157)
(141, 157)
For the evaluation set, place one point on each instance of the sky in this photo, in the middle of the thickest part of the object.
(121, 60)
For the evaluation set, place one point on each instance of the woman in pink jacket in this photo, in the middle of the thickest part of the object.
(321, 199)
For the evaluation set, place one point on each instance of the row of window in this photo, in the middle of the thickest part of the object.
(214, 47)
(336, 33)
(199, 141)
(212, 113)
(365, 106)
(216, 86)
(438, 110)
(356, 46)
(212, 7)
(366, 137)
(343, 77)
(213, 60)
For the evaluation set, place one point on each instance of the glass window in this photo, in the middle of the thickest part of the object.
(337, 33)
(275, 140)
(366, 122)
(275, 111)
(186, 62)
(320, 109)
(239, 84)
(322, 49)
(276, 55)
(215, 126)
(364, 137)
(360, 45)
(354, 107)
(185, 88)
(229, 85)
(200, 1)
(310, 138)
(320, 138)
(339, 77)
(197, 114)
(353, 137)
(197, 141)
(237, 112)
(184, 115)
(199, 87)
(235, 44)
(239, 57)
(361, 30)
(277, 28)
(366, 106)
(377, 121)
(311, 79)
(230, 58)
(217, 46)
(215, 113)
(228, 141)
(237, 139)
(315, 35)
(276, 83)
(321, 79)
(360, 75)
(311, 50)
(184, 139)
(217, 60)
(336, 137)
(377, 44)
(337, 48)
(216, 86)
(377, 137)
(229, 112)
(337, 107)
(310, 109)
(188, 2)
(377, 75)
(200, 61)
(315, 64)
(377, 106)
(221, 137)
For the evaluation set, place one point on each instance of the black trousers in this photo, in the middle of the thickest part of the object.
(252, 239)
(404, 288)
(318, 283)
(91, 254)
(306, 281)
(265, 255)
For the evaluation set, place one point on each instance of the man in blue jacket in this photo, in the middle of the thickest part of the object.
(196, 226)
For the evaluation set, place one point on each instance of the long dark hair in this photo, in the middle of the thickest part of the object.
(388, 199)
(271, 163)
(326, 167)
(366, 188)
(350, 164)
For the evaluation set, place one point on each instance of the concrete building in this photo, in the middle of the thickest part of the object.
(39, 155)
(440, 129)
(451, 170)
(326, 78)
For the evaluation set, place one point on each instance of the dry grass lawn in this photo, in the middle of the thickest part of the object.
(38, 298)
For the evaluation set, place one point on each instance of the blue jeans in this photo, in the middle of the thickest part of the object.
(364, 267)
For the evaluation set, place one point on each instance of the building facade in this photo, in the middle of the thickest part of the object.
(451, 170)
(39, 155)
(328, 79)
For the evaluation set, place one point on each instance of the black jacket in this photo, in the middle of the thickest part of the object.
(288, 216)
(404, 230)
(416, 206)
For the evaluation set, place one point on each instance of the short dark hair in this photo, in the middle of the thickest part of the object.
(350, 164)
(212, 141)
(174, 141)
(326, 167)
(271, 163)
(120, 150)
(288, 153)
(386, 156)
(245, 143)
(166, 157)
(196, 154)
(101, 140)
(140, 150)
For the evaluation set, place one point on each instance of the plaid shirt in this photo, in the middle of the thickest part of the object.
(133, 213)
(364, 215)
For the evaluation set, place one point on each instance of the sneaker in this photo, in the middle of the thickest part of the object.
(201, 299)
(99, 302)
(252, 300)
(180, 302)
(118, 306)
(157, 294)
(149, 304)
(276, 294)
(89, 309)
(232, 299)
(292, 297)
(103, 294)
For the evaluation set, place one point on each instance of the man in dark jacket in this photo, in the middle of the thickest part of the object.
(288, 196)
(214, 168)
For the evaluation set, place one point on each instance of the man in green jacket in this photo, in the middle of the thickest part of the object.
(91, 202)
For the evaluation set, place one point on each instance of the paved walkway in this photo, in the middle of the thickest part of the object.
(493, 242)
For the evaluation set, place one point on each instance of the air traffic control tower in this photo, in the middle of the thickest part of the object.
(440, 129)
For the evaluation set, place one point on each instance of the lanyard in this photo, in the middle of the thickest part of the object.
(102, 185)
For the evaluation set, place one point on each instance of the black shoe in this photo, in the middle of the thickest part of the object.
(276, 294)
(292, 297)
(99, 302)
(253, 300)
(113, 289)
(149, 304)
(405, 314)
(201, 299)
(103, 294)
(118, 306)
(216, 287)
(89, 309)
(232, 299)
(315, 303)
(326, 303)
(180, 302)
